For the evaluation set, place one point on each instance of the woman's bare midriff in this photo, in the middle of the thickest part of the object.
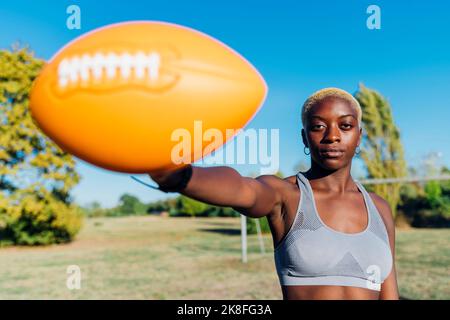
(328, 292)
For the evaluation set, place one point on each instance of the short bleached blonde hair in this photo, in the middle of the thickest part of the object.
(318, 96)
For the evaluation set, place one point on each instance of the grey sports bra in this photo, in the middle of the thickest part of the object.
(312, 253)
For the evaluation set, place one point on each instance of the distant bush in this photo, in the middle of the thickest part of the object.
(93, 209)
(37, 219)
(186, 206)
(427, 206)
(214, 211)
(183, 206)
(131, 205)
(161, 206)
(128, 205)
(251, 225)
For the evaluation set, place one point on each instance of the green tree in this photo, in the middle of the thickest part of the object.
(381, 147)
(158, 206)
(36, 176)
(129, 204)
(189, 206)
(94, 209)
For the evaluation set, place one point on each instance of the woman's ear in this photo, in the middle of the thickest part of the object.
(305, 141)
(360, 136)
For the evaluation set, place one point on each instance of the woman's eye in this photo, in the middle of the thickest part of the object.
(318, 126)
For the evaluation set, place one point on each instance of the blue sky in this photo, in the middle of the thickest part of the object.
(298, 46)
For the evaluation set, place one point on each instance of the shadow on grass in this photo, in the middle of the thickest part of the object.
(229, 232)
(214, 223)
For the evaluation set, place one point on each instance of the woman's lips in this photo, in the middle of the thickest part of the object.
(331, 154)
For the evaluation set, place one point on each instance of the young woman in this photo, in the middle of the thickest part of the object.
(332, 239)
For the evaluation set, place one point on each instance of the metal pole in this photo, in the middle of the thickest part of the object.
(404, 179)
(260, 238)
(244, 238)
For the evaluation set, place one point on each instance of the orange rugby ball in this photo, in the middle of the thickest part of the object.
(115, 96)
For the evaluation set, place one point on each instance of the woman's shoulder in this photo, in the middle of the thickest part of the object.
(287, 186)
(382, 205)
(278, 182)
(291, 179)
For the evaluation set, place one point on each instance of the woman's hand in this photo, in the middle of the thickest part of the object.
(164, 177)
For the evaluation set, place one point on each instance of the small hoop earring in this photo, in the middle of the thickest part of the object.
(358, 152)
(304, 150)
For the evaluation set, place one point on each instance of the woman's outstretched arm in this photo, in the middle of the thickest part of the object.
(224, 186)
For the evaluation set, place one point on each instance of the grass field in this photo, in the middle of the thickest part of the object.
(151, 257)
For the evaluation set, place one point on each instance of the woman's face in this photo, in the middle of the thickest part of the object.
(332, 133)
